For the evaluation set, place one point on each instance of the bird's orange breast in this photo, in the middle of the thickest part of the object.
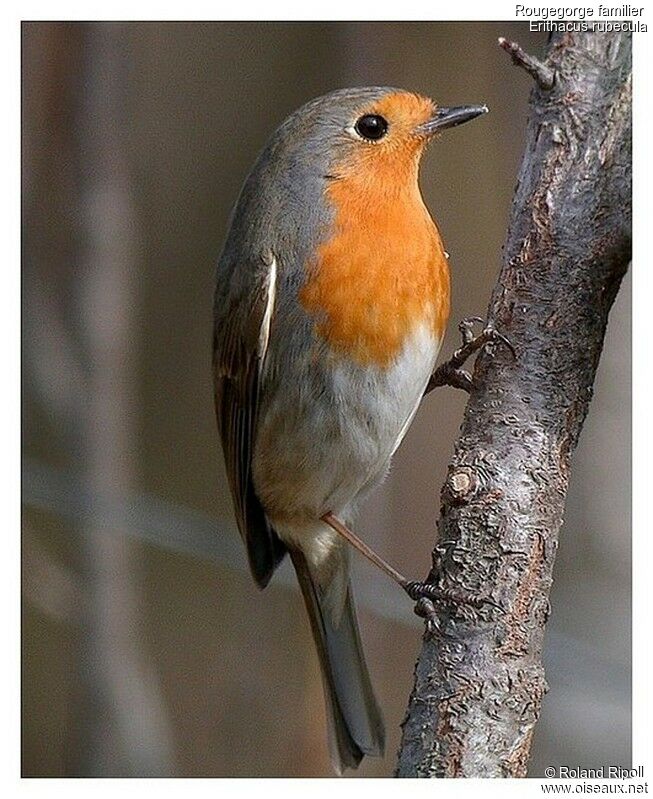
(383, 270)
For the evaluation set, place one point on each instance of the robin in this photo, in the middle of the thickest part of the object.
(330, 308)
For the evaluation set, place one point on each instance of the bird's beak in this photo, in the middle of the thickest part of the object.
(450, 117)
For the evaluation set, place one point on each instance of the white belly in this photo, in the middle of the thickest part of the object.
(321, 446)
(397, 403)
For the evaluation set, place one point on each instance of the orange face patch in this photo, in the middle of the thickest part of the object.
(383, 270)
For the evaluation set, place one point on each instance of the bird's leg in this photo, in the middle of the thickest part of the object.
(342, 529)
(425, 594)
(451, 373)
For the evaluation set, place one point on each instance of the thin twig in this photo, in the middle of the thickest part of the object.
(544, 76)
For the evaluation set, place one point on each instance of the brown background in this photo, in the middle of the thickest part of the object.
(147, 650)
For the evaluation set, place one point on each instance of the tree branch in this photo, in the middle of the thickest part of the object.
(542, 75)
(479, 680)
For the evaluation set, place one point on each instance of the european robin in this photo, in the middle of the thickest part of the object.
(330, 308)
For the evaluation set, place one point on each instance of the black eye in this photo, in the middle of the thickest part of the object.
(371, 127)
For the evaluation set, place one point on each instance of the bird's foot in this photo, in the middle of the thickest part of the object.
(427, 596)
(425, 609)
(451, 373)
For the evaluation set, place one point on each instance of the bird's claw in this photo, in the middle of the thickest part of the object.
(471, 343)
(451, 373)
(494, 337)
(466, 327)
(425, 609)
(419, 591)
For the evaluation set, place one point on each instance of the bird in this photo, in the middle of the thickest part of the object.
(331, 302)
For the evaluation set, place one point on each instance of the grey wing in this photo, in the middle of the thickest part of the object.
(242, 317)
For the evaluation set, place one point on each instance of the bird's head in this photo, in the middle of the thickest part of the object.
(369, 133)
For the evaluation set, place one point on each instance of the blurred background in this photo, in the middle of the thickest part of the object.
(147, 650)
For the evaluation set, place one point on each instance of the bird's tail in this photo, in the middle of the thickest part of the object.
(353, 716)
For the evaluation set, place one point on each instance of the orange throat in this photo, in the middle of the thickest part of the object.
(383, 271)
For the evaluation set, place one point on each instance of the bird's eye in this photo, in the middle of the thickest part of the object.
(371, 127)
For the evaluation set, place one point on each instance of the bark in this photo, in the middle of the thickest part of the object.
(479, 680)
